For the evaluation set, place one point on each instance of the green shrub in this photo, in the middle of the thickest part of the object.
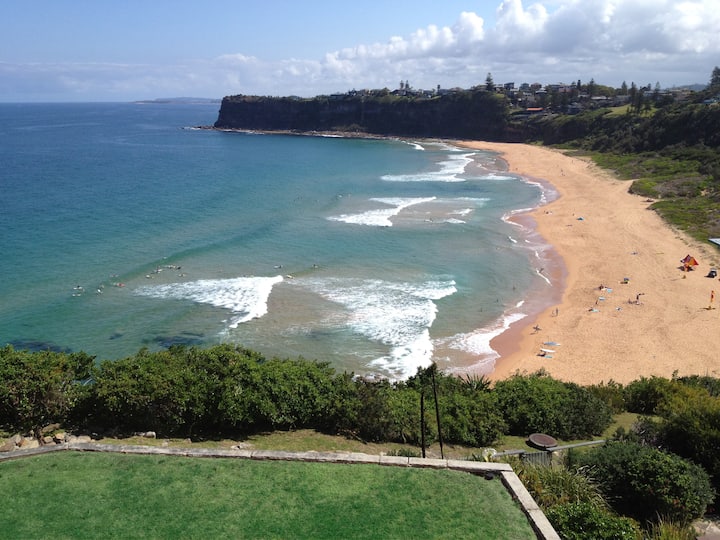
(471, 417)
(37, 389)
(552, 486)
(371, 411)
(668, 530)
(646, 395)
(293, 393)
(538, 403)
(646, 483)
(644, 187)
(710, 384)
(610, 393)
(693, 431)
(583, 521)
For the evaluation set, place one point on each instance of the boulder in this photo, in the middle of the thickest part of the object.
(78, 439)
(11, 444)
(29, 442)
(49, 428)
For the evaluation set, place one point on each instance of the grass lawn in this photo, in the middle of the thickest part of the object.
(88, 495)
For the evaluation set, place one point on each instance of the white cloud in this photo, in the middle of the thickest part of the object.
(545, 41)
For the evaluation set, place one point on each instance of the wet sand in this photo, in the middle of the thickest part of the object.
(656, 322)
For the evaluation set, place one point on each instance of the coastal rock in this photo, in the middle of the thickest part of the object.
(49, 428)
(78, 439)
(11, 444)
(29, 442)
(472, 114)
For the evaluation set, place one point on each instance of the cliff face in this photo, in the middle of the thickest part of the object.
(469, 114)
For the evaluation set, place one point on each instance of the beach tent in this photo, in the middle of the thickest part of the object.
(688, 262)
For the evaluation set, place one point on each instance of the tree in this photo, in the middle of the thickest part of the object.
(633, 96)
(656, 92)
(715, 79)
(623, 89)
(591, 88)
(489, 84)
(38, 389)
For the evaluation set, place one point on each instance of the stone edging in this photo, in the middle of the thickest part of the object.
(512, 483)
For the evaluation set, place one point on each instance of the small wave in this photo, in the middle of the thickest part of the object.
(495, 176)
(478, 341)
(246, 297)
(398, 315)
(540, 273)
(381, 217)
(450, 169)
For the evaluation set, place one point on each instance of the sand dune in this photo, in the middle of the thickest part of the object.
(604, 334)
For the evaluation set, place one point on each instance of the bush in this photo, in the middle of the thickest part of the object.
(293, 394)
(552, 486)
(37, 389)
(693, 432)
(711, 384)
(646, 395)
(646, 483)
(667, 530)
(174, 391)
(538, 403)
(581, 521)
(471, 417)
(369, 413)
(610, 393)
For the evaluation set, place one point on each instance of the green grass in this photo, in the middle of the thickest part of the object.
(83, 495)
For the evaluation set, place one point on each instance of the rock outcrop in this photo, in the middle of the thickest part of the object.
(471, 114)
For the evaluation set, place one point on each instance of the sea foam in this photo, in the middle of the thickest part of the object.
(245, 297)
(478, 341)
(398, 315)
(381, 217)
(450, 171)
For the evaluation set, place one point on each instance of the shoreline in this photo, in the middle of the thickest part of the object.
(655, 324)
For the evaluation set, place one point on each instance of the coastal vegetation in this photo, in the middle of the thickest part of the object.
(657, 469)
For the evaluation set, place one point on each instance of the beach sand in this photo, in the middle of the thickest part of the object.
(603, 235)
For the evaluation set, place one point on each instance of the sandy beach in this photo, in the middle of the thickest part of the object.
(655, 322)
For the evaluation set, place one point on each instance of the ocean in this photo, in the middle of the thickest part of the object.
(124, 226)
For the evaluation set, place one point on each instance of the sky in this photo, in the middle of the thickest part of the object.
(98, 50)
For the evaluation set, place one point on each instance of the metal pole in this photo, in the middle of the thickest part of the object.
(422, 420)
(437, 415)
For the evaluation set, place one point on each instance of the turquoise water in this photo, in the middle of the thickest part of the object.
(123, 227)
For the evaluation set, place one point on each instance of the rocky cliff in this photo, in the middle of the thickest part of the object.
(467, 114)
